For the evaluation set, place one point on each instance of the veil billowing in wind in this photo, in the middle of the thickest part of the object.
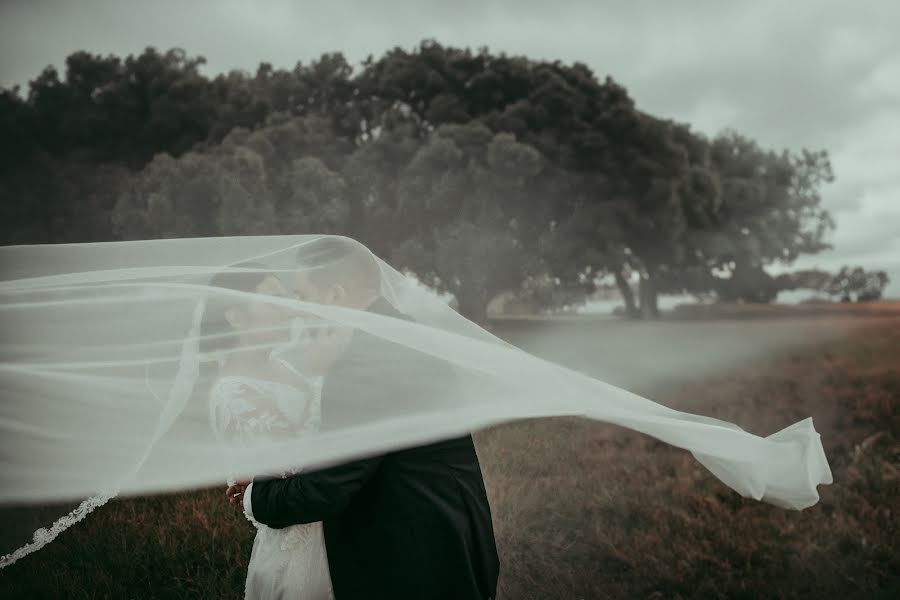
(109, 351)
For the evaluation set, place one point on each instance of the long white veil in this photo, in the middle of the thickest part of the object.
(109, 350)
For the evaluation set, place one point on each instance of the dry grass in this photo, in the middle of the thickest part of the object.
(592, 511)
(886, 308)
(587, 510)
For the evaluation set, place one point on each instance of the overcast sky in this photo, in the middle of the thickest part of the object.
(791, 74)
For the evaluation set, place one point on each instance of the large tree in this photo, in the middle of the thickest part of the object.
(768, 210)
(418, 154)
(464, 202)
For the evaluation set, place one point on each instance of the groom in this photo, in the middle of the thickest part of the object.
(412, 523)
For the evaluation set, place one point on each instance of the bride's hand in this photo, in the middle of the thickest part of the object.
(235, 492)
(327, 344)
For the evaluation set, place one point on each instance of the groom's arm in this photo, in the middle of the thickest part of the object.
(309, 497)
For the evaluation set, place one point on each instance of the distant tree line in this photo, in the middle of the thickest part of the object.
(849, 284)
(478, 172)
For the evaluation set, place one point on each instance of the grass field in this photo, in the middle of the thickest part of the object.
(587, 510)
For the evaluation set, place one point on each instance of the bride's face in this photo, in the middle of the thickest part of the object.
(307, 291)
(260, 315)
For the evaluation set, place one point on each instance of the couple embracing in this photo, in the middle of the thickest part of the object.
(412, 523)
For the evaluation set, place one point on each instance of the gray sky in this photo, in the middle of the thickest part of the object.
(791, 74)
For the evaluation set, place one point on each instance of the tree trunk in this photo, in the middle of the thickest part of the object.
(627, 294)
(472, 305)
(648, 296)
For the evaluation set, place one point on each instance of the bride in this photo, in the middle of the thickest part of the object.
(257, 398)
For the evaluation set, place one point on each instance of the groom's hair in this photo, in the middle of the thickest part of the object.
(337, 260)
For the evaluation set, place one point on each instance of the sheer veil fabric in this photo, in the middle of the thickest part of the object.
(108, 352)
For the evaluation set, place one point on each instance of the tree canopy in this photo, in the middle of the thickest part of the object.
(479, 172)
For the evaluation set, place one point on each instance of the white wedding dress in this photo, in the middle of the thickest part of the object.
(289, 562)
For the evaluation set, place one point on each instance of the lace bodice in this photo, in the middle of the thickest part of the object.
(247, 409)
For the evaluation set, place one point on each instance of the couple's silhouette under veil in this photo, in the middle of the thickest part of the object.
(412, 523)
(334, 394)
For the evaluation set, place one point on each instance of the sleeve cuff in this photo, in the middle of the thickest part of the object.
(248, 504)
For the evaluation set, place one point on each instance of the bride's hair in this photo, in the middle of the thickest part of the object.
(336, 260)
(214, 327)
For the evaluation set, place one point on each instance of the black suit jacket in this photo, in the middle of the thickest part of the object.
(415, 523)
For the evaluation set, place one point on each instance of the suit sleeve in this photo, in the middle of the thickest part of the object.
(310, 497)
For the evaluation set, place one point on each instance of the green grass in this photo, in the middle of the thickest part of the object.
(587, 510)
